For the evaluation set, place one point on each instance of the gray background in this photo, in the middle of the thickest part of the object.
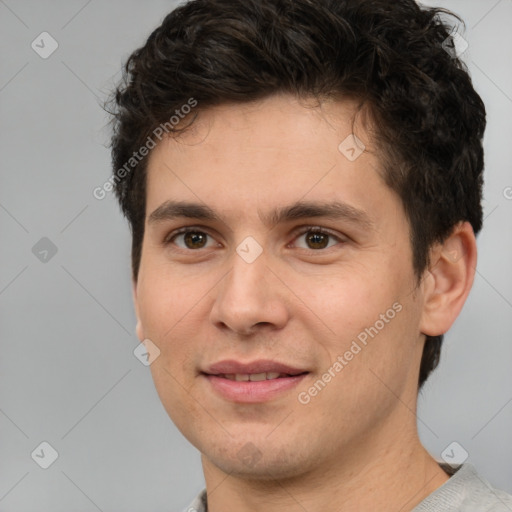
(68, 375)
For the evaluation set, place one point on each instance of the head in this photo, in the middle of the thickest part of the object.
(263, 94)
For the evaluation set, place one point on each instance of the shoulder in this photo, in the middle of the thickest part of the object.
(466, 491)
(199, 503)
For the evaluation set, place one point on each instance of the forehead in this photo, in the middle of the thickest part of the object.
(279, 129)
(276, 151)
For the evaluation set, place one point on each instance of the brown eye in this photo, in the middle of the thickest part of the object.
(189, 239)
(195, 239)
(317, 240)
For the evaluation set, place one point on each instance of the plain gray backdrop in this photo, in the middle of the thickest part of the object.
(68, 373)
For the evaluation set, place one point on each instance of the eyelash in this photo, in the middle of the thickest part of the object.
(303, 230)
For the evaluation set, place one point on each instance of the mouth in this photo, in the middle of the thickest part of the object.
(255, 377)
(253, 382)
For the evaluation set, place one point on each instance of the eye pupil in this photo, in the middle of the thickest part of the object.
(198, 239)
(318, 240)
(195, 240)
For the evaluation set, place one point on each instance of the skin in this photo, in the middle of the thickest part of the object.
(355, 445)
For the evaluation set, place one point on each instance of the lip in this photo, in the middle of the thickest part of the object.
(252, 391)
(258, 366)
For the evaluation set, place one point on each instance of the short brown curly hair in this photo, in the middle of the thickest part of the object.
(391, 55)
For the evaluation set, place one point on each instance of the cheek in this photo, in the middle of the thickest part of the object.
(368, 377)
(352, 299)
(175, 395)
(168, 309)
(165, 296)
(372, 320)
(390, 353)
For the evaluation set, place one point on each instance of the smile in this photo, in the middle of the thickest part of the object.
(254, 377)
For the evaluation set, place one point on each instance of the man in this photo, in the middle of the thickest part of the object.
(303, 183)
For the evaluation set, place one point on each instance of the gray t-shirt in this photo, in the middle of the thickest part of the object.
(465, 491)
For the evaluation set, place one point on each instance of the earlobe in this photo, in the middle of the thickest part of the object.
(138, 328)
(449, 280)
(139, 331)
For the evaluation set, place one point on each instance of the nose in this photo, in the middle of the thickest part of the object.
(250, 297)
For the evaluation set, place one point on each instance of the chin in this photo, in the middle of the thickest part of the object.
(265, 464)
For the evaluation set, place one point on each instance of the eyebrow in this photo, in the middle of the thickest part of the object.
(336, 210)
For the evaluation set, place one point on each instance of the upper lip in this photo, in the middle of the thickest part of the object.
(230, 366)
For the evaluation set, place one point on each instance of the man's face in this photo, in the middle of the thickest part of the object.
(277, 299)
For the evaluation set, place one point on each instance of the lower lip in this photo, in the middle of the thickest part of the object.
(252, 392)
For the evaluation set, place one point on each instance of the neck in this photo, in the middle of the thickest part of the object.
(374, 473)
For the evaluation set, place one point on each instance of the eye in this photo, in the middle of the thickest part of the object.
(190, 239)
(317, 238)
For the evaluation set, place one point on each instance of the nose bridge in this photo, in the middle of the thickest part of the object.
(246, 281)
(246, 286)
(249, 294)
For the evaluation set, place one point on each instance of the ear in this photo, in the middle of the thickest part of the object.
(138, 328)
(448, 280)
